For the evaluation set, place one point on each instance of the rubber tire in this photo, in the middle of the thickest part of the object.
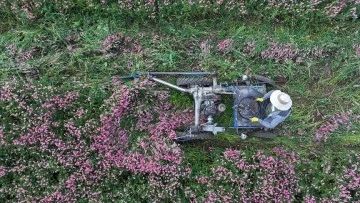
(264, 79)
(266, 135)
(183, 138)
(201, 81)
(258, 105)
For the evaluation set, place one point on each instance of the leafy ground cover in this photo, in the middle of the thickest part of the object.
(71, 131)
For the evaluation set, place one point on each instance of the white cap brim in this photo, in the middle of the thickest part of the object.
(274, 101)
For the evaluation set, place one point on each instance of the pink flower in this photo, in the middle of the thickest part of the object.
(2, 171)
(110, 40)
(249, 47)
(118, 43)
(357, 50)
(28, 54)
(279, 52)
(232, 154)
(79, 113)
(323, 132)
(225, 45)
(70, 183)
(205, 48)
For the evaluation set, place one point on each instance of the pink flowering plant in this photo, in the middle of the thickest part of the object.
(282, 52)
(340, 121)
(72, 132)
(20, 56)
(255, 178)
(357, 50)
(349, 189)
(279, 52)
(335, 177)
(75, 155)
(271, 9)
(56, 149)
(225, 45)
(280, 176)
(120, 44)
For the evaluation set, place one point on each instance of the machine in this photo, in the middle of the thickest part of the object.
(207, 91)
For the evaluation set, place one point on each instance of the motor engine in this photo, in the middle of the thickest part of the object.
(211, 105)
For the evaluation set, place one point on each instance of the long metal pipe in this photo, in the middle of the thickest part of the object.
(182, 73)
(169, 84)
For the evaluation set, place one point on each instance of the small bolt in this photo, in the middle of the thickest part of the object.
(221, 107)
(243, 136)
(244, 77)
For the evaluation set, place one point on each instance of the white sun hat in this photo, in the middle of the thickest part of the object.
(280, 100)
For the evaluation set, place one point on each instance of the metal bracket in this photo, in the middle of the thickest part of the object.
(212, 128)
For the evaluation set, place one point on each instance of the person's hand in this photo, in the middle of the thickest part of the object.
(259, 99)
(254, 119)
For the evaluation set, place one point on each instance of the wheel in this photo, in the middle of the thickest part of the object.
(186, 137)
(267, 135)
(263, 79)
(201, 81)
(256, 79)
(248, 108)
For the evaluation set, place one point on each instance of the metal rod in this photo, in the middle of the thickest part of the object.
(197, 98)
(182, 73)
(169, 84)
(214, 82)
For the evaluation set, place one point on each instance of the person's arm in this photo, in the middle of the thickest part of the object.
(273, 120)
(265, 97)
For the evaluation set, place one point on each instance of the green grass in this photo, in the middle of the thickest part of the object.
(320, 87)
(60, 61)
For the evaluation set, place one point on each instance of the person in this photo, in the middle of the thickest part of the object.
(280, 104)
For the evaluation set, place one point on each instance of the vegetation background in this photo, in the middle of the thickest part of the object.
(71, 131)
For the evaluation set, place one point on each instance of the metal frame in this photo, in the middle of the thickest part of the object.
(198, 93)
